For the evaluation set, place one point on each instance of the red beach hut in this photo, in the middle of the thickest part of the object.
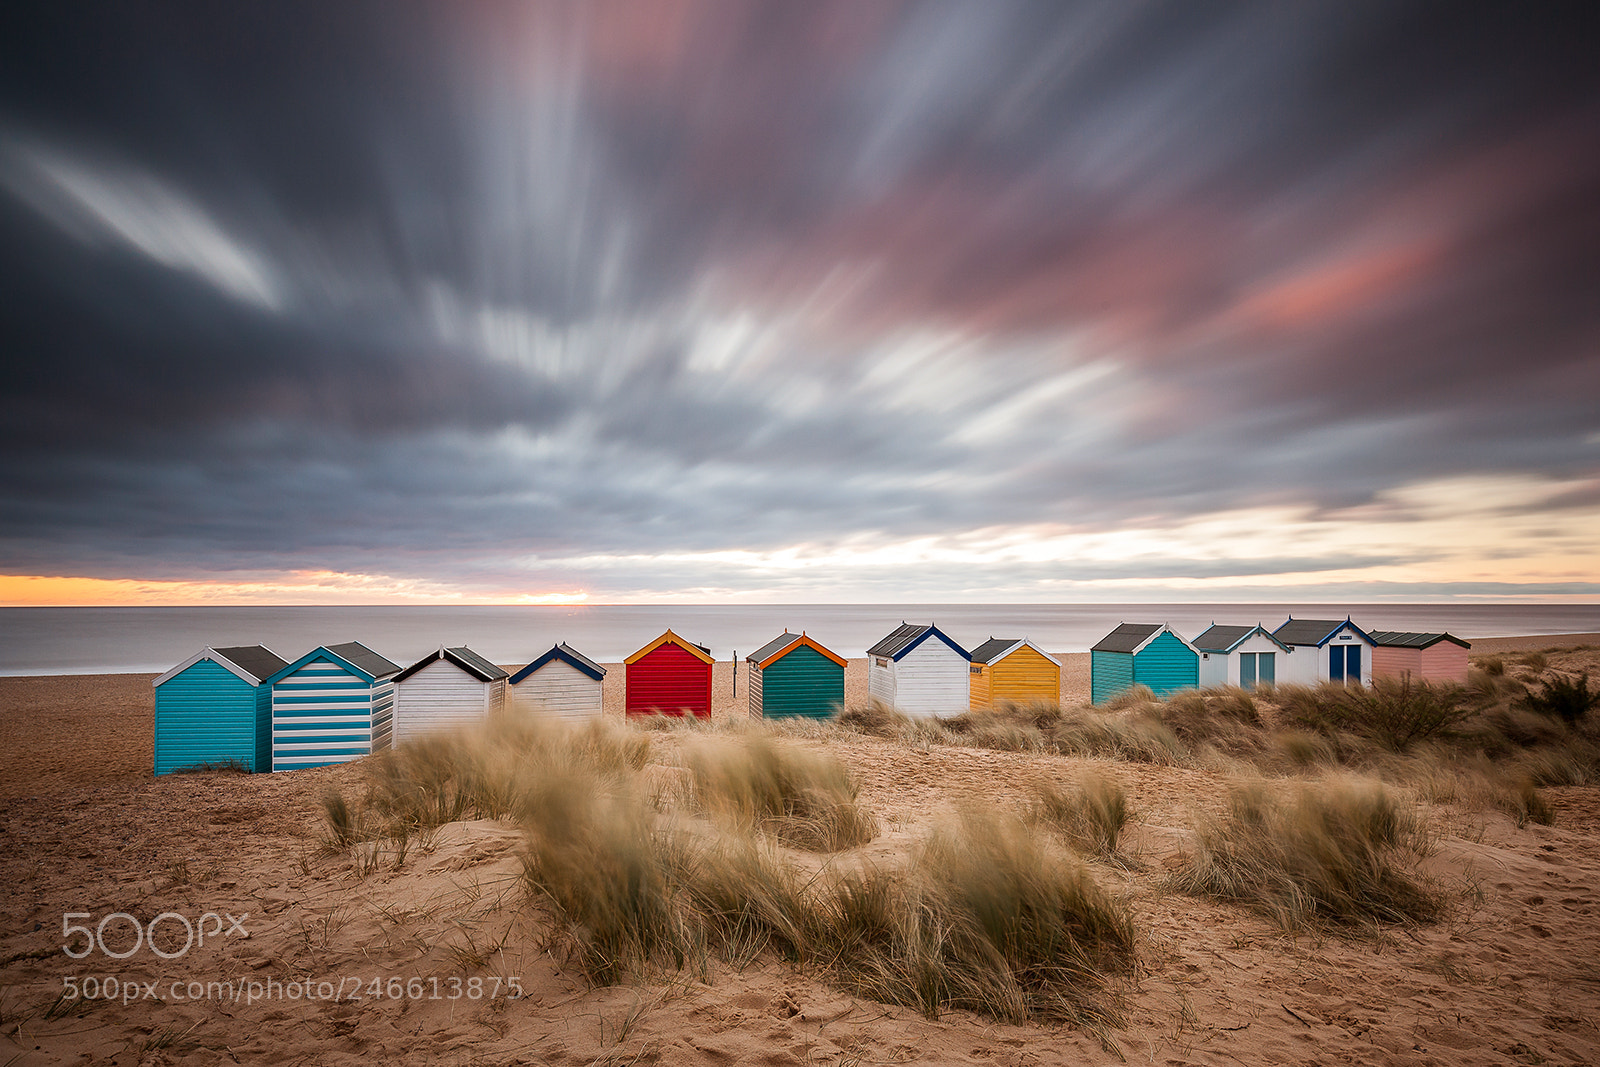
(671, 676)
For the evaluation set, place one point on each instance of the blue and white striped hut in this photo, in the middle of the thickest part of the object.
(332, 705)
(215, 710)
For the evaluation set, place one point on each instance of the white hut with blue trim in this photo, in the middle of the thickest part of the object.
(921, 671)
(1245, 656)
(445, 689)
(332, 705)
(215, 710)
(563, 683)
(1326, 651)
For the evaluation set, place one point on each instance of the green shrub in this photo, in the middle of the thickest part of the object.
(1564, 698)
(1395, 712)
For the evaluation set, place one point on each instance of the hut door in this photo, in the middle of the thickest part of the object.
(1344, 664)
(1247, 670)
(1267, 668)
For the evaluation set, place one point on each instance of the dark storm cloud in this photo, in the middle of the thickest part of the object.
(440, 290)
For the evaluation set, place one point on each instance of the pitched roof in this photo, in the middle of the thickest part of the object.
(568, 654)
(992, 648)
(907, 636)
(257, 660)
(1128, 637)
(252, 664)
(1313, 631)
(462, 657)
(1228, 638)
(786, 643)
(698, 651)
(1408, 639)
(363, 658)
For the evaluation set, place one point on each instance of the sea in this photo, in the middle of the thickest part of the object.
(139, 640)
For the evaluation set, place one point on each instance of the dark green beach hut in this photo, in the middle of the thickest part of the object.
(1147, 654)
(793, 676)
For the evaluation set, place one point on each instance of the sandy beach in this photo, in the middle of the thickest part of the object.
(1510, 975)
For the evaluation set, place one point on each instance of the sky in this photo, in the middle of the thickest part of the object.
(836, 301)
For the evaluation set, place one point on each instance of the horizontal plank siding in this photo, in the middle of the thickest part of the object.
(1166, 665)
(803, 684)
(754, 692)
(207, 715)
(671, 681)
(1444, 662)
(1397, 662)
(1109, 674)
(931, 679)
(880, 679)
(1022, 676)
(558, 690)
(978, 678)
(323, 714)
(441, 696)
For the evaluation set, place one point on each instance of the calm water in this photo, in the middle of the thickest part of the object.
(148, 640)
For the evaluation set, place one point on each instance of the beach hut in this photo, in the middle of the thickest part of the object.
(1245, 656)
(1015, 670)
(563, 682)
(446, 688)
(793, 676)
(1339, 652)
(920, 671)
(1428, 657)
(332, 705)
(1138, 653)
(215, 709)
(670, 676)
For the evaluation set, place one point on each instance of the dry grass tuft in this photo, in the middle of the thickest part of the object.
(1091, 814)
(1395, 713)
(804, 798)
(1342, 855)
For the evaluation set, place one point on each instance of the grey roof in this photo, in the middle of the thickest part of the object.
(462, 657)
(777, 644)
(581, 658)
(1222, 638)
(898, 638)
(1127, 637)
(358, 655)
(1307, 631)
(993, 647)
(1408, 639)
(258, 661)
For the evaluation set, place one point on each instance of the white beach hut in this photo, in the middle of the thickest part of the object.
(920, 671)
(563, 683)
(446, 688)
(1326, 651)
(1245, 656)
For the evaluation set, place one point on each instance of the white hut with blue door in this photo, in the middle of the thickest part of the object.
(919, 670)
(563, 683)
(332, 705)
(445, 689)
(1245, 656)
(1151, 654)
(1326, 650)
(215, 710)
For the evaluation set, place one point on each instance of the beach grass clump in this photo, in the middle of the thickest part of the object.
(1394, 712)
(1136, 736)
(805, 798)
(1341, 855)
(1563, 697)
(1091, 814)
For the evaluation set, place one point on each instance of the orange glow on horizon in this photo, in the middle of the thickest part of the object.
(297, 587)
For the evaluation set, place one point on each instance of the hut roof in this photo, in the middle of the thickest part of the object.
(1128, 637)
(998, 648)
(698, 651)
(363, 658)
(785, 643)
(252, 663)
(1313, 631)
(462, 657)
(1408, 639)
(568, 654)
(1227, 638)
(907, 636)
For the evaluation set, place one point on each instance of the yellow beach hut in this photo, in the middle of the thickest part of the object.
(1012, 670)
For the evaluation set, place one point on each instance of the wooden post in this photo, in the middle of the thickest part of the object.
(736, 672)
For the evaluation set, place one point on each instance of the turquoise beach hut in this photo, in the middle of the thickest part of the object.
(1147, 654)
(793, 676)
(332, 705)
(215, 710)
